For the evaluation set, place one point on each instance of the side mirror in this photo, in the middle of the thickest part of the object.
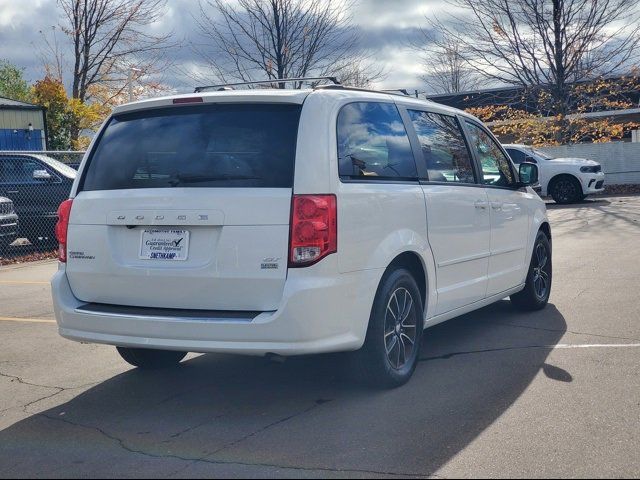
(528, 174)
(42, 175)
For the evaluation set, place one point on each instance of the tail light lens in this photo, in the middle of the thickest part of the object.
(64, 212)
(314, 229)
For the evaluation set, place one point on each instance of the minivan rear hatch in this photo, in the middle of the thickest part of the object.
(188, 207)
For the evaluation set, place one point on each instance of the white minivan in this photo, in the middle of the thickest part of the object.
(290, 222)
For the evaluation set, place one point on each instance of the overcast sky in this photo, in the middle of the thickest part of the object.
(385, 25)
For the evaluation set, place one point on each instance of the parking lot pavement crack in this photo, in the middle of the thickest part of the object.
(267, 427)
(573, 332)
(24, 382)
(447, 356)
(194, 427)
(121, 443)
(58, 391)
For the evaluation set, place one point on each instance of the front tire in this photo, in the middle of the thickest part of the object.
(5, 243)
(151, 359)
(392, 346)
(566, 189)
(535, 295)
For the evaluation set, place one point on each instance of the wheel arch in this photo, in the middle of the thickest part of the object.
(414, 264)
(561, 175)
(546, 228)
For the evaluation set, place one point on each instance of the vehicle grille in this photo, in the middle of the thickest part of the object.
(599, 184)
(6, 208)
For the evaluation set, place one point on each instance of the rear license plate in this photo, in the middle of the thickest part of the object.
(164, 244)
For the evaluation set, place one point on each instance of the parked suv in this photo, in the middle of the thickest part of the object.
(37, 184)
(567, 180)
(293, 222)
(8, 224)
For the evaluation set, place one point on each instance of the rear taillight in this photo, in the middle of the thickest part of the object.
(314, 229)
(64, 212)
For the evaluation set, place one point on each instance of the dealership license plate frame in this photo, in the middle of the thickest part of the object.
(164, 244)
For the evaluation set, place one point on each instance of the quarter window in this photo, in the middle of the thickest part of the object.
(373, 143)
(444, 150)
(496, 166)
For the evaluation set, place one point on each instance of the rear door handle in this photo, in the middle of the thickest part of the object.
(496, 205)
(481, 205)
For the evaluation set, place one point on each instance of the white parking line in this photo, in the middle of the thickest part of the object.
(598, 345)
(22, 282)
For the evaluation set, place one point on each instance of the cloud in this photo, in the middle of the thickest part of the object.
(386, 28)
(20, 40)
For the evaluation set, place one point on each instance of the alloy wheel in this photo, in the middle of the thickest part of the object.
(565, 191)
(541, 278)
(400, 328)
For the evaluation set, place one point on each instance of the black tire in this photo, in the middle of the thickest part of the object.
(535, 295)
(4, 245)
(566, 189)
(392, 347)
(151, 359)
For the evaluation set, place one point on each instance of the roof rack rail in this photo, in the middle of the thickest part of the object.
(400, 92)
(403, 91)
(229, 86)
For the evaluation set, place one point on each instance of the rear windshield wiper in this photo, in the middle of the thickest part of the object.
(181, 179)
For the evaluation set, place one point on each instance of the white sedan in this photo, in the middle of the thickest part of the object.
(567, 180)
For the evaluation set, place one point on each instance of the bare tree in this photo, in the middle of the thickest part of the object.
(276, 39)
(446, 70)
(110, 39)
(545, 43)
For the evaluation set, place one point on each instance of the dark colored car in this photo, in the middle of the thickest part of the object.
(8, 224)
(37, 184)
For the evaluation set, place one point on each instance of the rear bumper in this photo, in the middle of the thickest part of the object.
(319, 313)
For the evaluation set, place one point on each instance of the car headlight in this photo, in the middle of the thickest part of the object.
(591, 169)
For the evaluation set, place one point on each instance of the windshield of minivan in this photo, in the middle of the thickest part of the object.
(221, 145)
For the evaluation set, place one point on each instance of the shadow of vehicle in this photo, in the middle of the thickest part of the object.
(586, 203)
(225, 415)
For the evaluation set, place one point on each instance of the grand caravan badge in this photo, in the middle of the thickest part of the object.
(164, 244)
(270, 263)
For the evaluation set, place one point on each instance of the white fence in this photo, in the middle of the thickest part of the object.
(620, 160)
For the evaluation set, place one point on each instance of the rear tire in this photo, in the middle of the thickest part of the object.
(566, 189)
(392, 346)
(535, 295)
(151, 359)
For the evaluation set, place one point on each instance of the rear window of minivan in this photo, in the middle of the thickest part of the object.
(217, 145)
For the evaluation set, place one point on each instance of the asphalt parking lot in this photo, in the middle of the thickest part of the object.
(498, 393)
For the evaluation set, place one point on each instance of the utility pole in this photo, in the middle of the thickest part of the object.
(130, 81)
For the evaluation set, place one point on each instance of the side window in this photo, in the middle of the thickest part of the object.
(373, 143)
(496, 167)
(19, 170)
(516, 155)
(443, 147)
